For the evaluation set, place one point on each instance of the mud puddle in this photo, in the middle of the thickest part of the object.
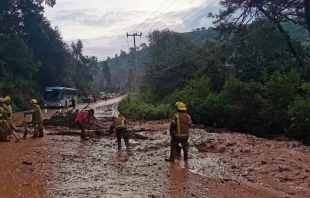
(220, 165)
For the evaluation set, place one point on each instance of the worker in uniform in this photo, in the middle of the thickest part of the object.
(120, 126)
(3, 125)
(9, 109)
(83, 119)
(37, 118)
(179, 131)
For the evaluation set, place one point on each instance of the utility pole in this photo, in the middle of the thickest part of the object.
(136, 78)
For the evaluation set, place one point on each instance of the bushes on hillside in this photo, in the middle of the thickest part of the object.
(276, 106)
(141, 110)
(299, 113)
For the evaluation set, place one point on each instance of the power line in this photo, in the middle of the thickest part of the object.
(193, 39)
(196, 13)
(160, 13)
(150, 16)
(203, 53)
(167, 15)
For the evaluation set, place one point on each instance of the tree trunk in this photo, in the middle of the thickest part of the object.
(287, 37)
(307, 13)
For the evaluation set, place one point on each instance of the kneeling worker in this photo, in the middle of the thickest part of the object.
(37, 118)
(120, 126)
(179, 131)
(84, 118)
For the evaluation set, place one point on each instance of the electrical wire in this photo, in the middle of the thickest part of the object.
(196, 13)
(193, 39)
(160, 14)
(150, 16)
(167, 15)
(204, 52)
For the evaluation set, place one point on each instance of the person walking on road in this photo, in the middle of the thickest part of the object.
(37, 118)
(3, 125)
(73, 102)
(84, 118)
(120, 126)
(179, 131)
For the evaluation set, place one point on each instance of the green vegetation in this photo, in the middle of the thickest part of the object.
(136, 109)
(248, 77)
(250, 73)
(33, 55)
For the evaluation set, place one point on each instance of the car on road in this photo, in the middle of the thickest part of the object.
(89, 99)
(109, 95)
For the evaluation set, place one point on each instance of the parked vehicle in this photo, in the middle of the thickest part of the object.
(89, 99)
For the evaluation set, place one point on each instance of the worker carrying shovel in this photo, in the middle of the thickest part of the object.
(37, 119)
(84, 118)
(9, 109)
(120, 126)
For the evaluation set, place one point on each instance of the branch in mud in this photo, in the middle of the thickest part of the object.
(105, 133)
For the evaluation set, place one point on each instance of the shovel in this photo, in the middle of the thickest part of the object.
(26, 130)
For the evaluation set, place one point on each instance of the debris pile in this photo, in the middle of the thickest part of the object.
(64, 118)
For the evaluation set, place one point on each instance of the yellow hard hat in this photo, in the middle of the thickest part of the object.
(7, 98)
(33, 101)
(181, 106)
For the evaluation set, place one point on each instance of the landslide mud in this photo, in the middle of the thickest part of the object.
(221, 164)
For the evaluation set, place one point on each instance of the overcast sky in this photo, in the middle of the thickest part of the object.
(102, 24)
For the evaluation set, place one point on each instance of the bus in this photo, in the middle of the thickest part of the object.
(59, 96)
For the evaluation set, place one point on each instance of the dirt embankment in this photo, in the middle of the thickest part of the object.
(220, 165)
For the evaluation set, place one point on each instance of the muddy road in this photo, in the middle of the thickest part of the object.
(221, 164)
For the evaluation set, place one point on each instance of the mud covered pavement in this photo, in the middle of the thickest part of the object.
(221, 164)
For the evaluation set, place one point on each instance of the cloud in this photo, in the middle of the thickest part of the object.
(103, 31)
(93, 17)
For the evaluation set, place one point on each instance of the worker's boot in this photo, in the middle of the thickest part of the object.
(172, 155)
(35, 135)
(119, 144)
(4, 137)
(178, 151)
(127, 144)
(83, 134)
(36, 131)
(41, 132)
(185, 151)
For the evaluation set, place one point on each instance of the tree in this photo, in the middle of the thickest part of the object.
(143, 46)
(275, 11)
(106, 73)
(167, 49)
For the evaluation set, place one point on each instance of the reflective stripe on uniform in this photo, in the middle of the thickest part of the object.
(178, 133)
(121, 126)
(178, 125)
